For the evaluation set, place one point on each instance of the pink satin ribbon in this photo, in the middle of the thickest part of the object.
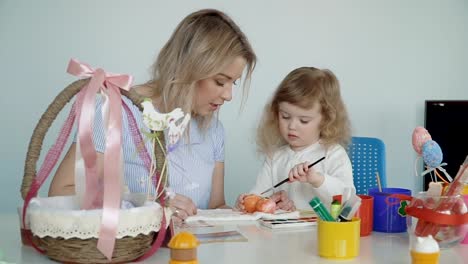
(110, 83)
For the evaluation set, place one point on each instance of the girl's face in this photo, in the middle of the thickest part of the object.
(214, 91)
(299, 126)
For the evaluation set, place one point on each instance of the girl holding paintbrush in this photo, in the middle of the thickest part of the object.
(305, 120)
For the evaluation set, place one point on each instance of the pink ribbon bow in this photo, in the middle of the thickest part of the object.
(111, 85)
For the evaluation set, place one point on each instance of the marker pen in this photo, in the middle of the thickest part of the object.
(335, 209)
(320, 209)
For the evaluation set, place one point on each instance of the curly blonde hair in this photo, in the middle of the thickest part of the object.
(304, 87)
(203, 43)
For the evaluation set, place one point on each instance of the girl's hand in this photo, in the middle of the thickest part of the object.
(183, 207)
(240, 202)
(282, 201)
(301, 172)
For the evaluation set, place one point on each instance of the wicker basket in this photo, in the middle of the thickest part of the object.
(76, 250)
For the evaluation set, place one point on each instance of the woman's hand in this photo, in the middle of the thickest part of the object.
(182, 207)
(301, 172)
(240, 202)
(282, 201)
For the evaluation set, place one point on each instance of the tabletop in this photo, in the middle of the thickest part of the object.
(263, 245)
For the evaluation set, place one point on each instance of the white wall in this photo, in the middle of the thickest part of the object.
(390, 56)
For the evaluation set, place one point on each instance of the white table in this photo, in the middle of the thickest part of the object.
(263, 246)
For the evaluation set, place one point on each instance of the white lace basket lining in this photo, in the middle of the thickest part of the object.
(60, 216)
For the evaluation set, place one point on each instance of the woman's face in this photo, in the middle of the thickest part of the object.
(298, 126)
(214, 91)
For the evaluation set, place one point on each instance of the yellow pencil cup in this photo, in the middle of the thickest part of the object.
(339, 240)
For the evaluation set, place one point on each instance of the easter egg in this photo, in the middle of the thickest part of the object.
(250, 202)
(266, 205)
(420, 136)
(432, 154)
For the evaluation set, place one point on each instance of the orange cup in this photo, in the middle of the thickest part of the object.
(366, 214)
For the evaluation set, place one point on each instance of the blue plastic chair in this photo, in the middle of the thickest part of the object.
(367, 157)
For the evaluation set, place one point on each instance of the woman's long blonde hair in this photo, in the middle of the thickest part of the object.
(305, 87)
(203, 43)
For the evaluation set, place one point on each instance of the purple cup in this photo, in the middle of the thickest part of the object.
(386, 216)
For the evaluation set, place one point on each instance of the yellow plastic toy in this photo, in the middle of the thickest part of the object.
(183, 248)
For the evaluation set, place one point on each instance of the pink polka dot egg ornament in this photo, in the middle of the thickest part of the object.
(420, 137)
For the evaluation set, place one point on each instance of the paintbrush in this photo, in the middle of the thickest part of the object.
(287, 179)
(378, 181)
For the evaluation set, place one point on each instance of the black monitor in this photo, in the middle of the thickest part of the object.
(447, 122)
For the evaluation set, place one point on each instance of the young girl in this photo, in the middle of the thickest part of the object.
(305, 120)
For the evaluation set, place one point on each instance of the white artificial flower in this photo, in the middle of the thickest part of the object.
(157, 121)
(176, 131)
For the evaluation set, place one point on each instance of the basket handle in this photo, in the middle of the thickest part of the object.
(46, 120)
(37, 138)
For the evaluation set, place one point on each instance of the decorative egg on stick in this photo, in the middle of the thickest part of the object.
(420, 136)
(430, 152)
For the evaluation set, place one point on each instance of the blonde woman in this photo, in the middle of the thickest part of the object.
(305, 120)
(196, 70)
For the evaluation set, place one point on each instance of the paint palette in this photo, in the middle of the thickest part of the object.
(288, 223)
(225, 236)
